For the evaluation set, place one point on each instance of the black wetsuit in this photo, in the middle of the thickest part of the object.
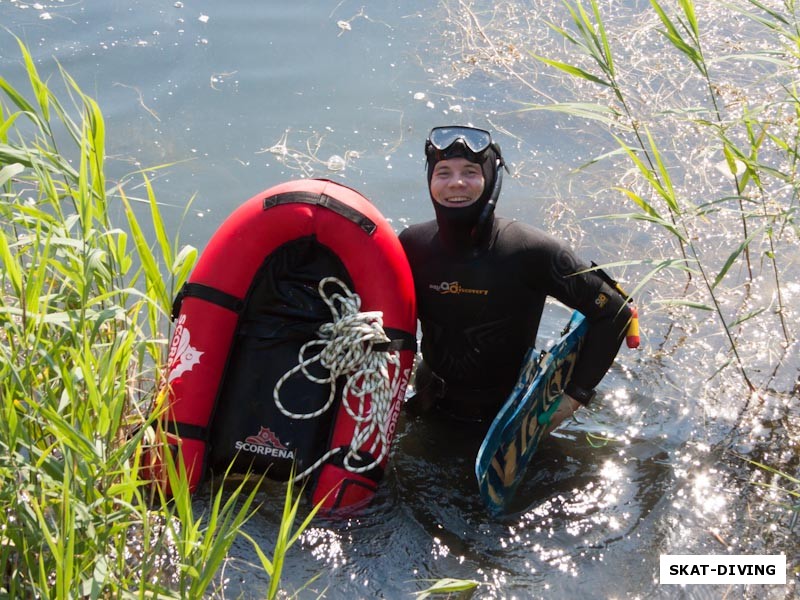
(480, 310)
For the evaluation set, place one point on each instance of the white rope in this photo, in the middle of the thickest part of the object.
(346, 348)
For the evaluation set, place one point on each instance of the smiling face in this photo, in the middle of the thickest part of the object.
(456, 182)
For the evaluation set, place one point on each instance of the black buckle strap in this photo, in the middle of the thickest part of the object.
(186, 430)
(613, 283)
(329, 202)
(580, 394)
(398, 340)
(209, 294)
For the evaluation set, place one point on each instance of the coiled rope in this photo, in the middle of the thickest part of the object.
(346, 348)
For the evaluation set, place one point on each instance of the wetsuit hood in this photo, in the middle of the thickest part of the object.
(466, 228)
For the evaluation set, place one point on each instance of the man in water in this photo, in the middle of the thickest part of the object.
(481, 284)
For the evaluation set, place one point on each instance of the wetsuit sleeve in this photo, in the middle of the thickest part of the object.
(605, 309)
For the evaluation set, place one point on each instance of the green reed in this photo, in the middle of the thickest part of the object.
(779, 480)
(287, 536)
(447, 587)
(683, 32)
(765, 191)
(84, 305)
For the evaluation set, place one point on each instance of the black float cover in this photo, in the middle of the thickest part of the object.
(283, 311)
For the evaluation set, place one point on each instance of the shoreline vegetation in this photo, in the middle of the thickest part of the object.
(85, 300)
(84, 309)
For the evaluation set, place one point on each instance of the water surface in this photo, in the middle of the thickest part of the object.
(238, 96)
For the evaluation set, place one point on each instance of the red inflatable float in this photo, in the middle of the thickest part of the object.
(293, 344)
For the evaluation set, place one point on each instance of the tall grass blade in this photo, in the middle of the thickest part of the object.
(572, 70)
(447, 586)
(288, 534)
(9, 171)
(672, 33)
(40, 89)
(733, 257)
(582, 110)
(155, 286)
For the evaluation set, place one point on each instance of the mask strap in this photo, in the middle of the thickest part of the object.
(487, 211)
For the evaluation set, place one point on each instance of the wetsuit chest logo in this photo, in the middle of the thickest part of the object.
(454, 287)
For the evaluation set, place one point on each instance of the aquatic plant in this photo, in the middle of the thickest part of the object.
(287, 536)
(447, 586)
(704, 135)
(84, 305)
(744, 167)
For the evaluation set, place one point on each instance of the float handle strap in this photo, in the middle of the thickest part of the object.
(329, 202)
(209, 294)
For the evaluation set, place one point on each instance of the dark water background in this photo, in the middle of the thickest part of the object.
(239, 96)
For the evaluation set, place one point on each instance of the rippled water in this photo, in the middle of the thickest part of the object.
(239, 96)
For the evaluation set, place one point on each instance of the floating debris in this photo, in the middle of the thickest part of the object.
(336, 163)
(724, 167)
